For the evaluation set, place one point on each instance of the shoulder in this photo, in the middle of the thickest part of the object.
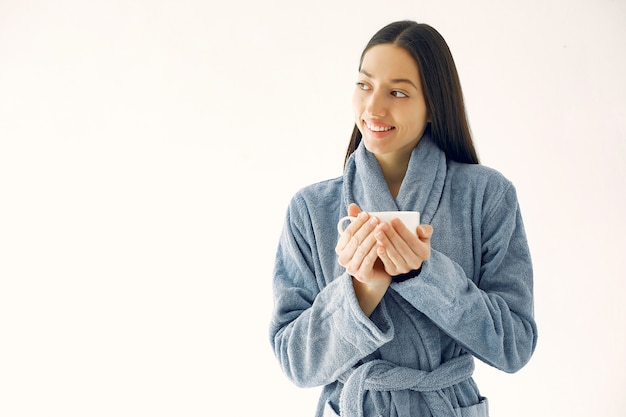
(319, 192)
(481, 184)
(480, 176)
(317, 198)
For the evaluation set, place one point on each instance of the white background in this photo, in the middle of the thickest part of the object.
(149, 148)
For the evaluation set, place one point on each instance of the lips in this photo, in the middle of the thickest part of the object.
(378, 127)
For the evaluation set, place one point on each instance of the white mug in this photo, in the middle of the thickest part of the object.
(411, 219)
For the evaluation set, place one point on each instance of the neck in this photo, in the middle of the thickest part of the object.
(394, 169)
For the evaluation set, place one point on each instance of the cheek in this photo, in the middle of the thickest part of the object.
(420, 116)
(416, 121)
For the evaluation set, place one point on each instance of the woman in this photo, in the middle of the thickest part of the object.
(389, 321)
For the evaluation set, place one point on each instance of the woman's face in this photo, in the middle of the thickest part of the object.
(388, 102)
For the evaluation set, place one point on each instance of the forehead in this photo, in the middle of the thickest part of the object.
(388, 61)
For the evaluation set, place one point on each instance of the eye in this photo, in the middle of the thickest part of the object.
(362, 86)
(398, 94)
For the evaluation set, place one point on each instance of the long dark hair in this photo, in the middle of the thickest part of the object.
(442, 89)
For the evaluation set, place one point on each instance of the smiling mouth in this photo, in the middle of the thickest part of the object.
(375, 128)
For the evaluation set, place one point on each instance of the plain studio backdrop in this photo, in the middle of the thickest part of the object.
(149, 149)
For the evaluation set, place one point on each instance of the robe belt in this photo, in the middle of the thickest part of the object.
(380, 375)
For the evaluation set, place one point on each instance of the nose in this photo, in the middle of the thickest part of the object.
(376, 104)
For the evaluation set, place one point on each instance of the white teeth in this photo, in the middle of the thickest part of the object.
(378, 128)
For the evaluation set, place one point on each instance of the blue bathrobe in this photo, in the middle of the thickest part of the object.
(414, 355)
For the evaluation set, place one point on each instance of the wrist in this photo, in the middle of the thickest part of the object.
(369, 295)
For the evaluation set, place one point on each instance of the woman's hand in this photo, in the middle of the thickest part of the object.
(357, 251)
(399, 249)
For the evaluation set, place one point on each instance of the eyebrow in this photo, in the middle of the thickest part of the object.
(394, 81)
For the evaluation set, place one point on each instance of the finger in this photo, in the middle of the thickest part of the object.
(401, 256)
(400, 239)
(355, 246)
(362, 262)
(363, 236)
(388, 263)
(400, 229)
(393, 261)
(367, 262)
(353, 210)
(348, 234)
(424, 232)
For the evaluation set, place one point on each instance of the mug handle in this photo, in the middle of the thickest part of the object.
(341, 221)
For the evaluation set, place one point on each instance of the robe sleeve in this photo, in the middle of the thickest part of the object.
(493, 317)
(317, 331)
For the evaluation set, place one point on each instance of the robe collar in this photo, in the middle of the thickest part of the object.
(421, 188)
